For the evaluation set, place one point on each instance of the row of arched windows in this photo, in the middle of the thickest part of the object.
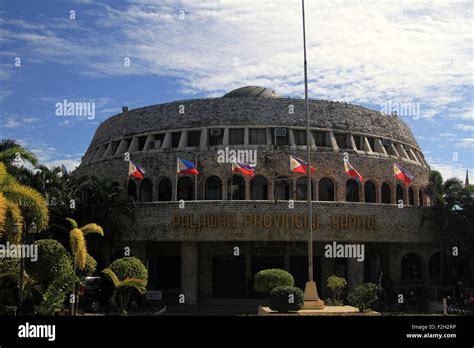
(259, 190)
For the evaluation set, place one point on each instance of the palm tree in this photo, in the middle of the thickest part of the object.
(11, 151)
(78, 245)
(30, 284)
(120, 301)
(18, 202)
(450, 211)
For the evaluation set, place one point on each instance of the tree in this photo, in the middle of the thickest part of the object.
(134, 274)
(121, 301)
(268, 279)
(363, 296)
(451, 212)
(18, 202)
(11, 151)
(337, 285)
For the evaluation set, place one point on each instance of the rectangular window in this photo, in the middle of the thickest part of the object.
(157, 141)
(258, 136)
(141, 143)
(358, 141)
(216, 136)
(320, 139)
(194, 138)
(280, 136)
(341, 140)
(236, 136)
(175, 137)
(115, 145)
(371, 143)
(300, 137)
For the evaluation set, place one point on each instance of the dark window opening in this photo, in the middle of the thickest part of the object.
(282, 188)
(352, 191)
(236, 136)
(257, 136)
(369, 192)
(300, 137)
(185, 189)
(326, 190)
(302, 188)
(194, 138)
(386, 194)
(213, 190)
(320, 139)
(165, 190)
(259, 188)
(175, 137)
(280, 136)
(216, 136)
(341, 140)
(358, 141)
(236, 188)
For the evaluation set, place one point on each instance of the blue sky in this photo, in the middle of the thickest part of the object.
(363, 52)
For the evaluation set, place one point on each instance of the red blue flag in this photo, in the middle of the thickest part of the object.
(186, 167)
(350, 170)
(402, 174)
(244, 168)
(135, 171)
(297, 165)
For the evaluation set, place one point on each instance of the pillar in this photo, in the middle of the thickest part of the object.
(189, 271)
(355, 273)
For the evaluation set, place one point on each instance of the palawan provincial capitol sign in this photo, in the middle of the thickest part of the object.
(280, 220)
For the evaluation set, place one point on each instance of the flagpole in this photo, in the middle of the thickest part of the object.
(195, 179)
(311, 296)
(128, 178)
(176, 181)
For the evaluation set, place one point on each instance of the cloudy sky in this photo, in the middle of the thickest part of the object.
(417, 54)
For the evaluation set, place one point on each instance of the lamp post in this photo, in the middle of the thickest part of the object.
(311, 297)
(30, 229)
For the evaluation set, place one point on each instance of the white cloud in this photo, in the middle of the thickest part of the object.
(465, 127)
(367, 52)
(451, 170)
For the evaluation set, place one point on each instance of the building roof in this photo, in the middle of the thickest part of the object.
(250, 106)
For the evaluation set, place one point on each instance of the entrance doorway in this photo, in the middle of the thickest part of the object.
(228, 276)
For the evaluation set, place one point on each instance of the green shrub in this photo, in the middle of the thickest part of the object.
(336, 285)
(268, 279)
(286, 299)
(54, 297)
(52, 263)
(363, 296)
(91, 265)
(127, 267)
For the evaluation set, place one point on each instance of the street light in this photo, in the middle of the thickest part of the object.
(30, 229)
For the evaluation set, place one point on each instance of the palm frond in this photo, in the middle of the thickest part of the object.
(78, 248)
(72, 222)
(92, 228)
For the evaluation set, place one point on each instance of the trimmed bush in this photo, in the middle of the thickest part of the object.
(268, 279)
(286, 299)
(52, 263)
(337, 285)
(127, 267)
(363, 296)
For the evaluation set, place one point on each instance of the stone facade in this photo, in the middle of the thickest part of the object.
(203, 233)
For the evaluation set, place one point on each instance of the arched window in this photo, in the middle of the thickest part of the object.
(386, 194)
(132, 189)
(259, 188)
(411, 196)
(369, 192)
(326, 190)
(146, 190)
(352, 191)
(236, 188)
(420, 198)
(434, 266)
(165, 190)
(411, 266)
(185, 189)
(213, 189)
(302, 187)
(282, 188)
(400, 194)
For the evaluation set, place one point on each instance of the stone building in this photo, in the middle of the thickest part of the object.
(231, 226)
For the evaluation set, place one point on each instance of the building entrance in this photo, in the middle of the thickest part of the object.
(228, 276)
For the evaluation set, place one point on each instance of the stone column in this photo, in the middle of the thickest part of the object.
(189, 271)
(355, 273)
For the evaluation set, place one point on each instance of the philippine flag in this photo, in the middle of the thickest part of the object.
(244, 168)
(297, 165)
(186, 167)
(402, 174)
(350, 170)
(135, 171)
